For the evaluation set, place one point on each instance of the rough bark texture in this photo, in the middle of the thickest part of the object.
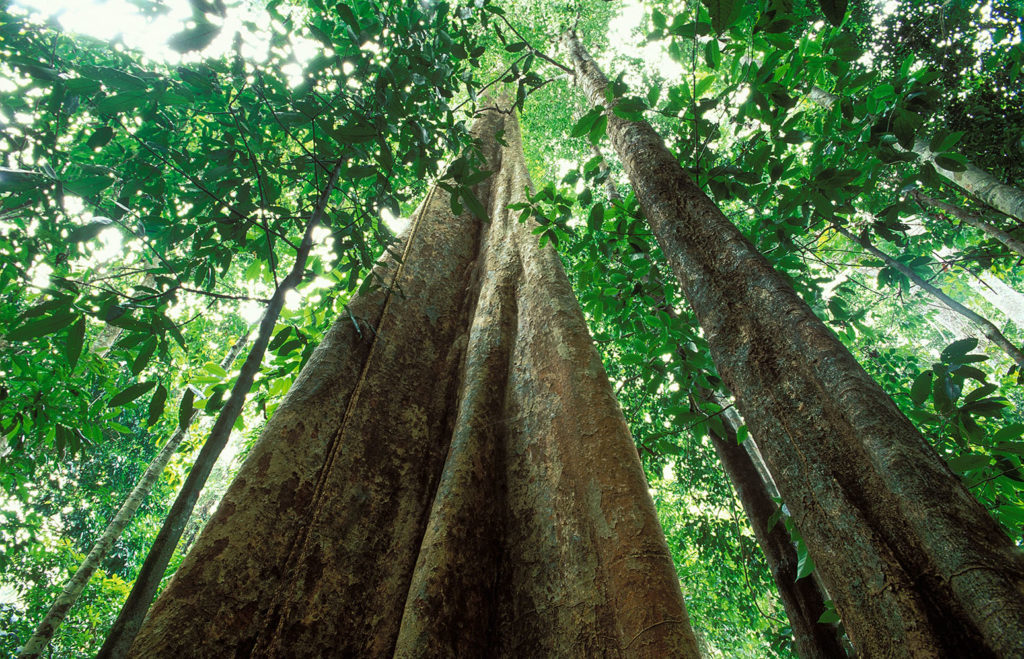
(915, 565)
(40, 639)
(802, 599)
(972, 219)
(132, 614)
(977, 182)
(987, 327)
(455, 479)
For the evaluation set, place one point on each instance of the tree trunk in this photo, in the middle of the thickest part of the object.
(457, 481)
(802, 599)
(915, 565)
(972, 219)
(1006, 199)
(36, 645)
(1002, 297)
(984, 324)
(133, 612)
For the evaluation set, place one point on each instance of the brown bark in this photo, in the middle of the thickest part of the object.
(129, 620)
(456, 481)
(915, 565)
(802, 599)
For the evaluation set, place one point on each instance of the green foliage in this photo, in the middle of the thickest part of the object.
(149, 209)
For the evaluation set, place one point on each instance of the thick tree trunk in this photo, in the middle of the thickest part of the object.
(802, 599)
(119, 640)
(1006, 199)
(987, 327)
(456, 481)
(972, 219)
(915, 565)
(36, 645)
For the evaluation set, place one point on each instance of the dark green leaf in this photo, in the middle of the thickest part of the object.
(954, 351)
(76, 337)
(43, 326)
(834, 10)
(130, 393)
(100, 137)
(474, 204)
(723, 13)
(145, 353)
(156, 405)
(596, 217)
(516, 47)
(186, 409)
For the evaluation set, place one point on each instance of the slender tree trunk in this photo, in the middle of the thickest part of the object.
(1006, 199)
(802, 599)
(972, 219)
(1003, 297)
(457, 482)
(914, 563)
(146, 584)
(40, 639)
(984, 324)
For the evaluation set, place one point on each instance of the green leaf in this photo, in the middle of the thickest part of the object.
(186, 408)
(598, 130)
(120, 102)
(88, 185)
(723, 13)
(921, 388)
(76, 338)
(970, 462)
(805, 564)
(156, 405)
(474, 204)
(954, 162)
(585, 123)
(1012, 431)
(596, 218)
(830, 615)
(958, 349)
(145, 353)
(516, 47)
(130, 393)
(834, 10)
(100, 138)
(42, 326)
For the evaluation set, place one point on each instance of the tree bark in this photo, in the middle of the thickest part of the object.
(914, 563)
(984, 324)
(40, 639)
(456, 481)
(133, 612)
(802, 599)
(1006, 199)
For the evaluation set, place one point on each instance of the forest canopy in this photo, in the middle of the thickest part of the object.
(177, 174)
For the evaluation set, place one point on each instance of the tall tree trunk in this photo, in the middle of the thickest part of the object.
(914, 563)
(36, 645)
(984, 324)
(459, 481)
(133, 612)
(802, 599)
(1006, 199)
(972, 219)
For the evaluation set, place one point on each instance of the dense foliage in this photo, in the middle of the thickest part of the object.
(149, 207)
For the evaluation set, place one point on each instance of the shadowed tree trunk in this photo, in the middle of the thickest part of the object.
(453, 479)
(801, 598)
(914, 563)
